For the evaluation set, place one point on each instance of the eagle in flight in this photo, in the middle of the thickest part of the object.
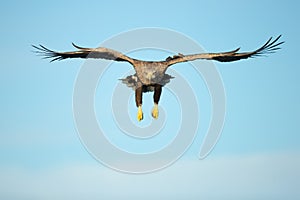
(151, 75)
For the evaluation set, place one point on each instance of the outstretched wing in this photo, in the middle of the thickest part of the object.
(269, 47)
(101, 53)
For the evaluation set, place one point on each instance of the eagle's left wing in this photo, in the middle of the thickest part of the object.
(100, 53)
(269, 47)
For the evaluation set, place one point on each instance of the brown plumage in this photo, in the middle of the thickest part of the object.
(151, 75)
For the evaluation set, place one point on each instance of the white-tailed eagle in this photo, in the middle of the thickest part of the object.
(151, 75)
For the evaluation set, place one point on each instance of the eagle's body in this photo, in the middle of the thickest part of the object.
(151, 75)
(150, 72)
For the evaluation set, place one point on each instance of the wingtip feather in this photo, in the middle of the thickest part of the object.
(78, 47)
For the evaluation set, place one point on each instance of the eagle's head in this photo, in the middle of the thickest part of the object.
(150, 73)
(153, 77)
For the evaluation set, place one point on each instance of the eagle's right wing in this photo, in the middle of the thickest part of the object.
(269, 47)
(100, 53)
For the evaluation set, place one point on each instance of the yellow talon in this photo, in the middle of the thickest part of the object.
(140, 113)
(155, 111)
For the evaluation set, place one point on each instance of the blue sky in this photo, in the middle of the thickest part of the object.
(257, 156)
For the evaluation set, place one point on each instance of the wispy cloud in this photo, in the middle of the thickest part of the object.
(269, 176)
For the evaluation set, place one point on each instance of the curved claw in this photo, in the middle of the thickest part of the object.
(140, 115)
(155, 111)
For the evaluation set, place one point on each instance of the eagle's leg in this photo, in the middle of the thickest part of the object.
(139, 101)
(156, 97)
